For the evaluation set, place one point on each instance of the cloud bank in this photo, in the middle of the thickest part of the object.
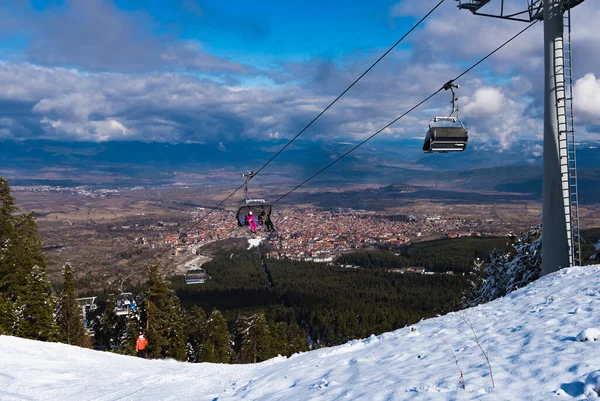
(90, 71)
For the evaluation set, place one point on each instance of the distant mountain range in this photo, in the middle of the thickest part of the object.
(480, 167)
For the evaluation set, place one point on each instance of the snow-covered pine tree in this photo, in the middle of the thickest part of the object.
(475, 282)
(526, 265)
(511, 270)
(596, 255)
(166, 336)
(254, 339)
(216, 346)
(68, 311)
(35, 308)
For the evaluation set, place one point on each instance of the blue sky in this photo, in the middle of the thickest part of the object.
(292, 30)
(207, 70)
(258, 32)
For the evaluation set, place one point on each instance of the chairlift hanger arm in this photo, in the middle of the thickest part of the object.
(450, 85)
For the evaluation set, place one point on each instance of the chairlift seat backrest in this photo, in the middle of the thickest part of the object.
(446, 139)
(195, 275)
(257, 206)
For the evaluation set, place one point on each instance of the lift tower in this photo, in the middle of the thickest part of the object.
(560, 210)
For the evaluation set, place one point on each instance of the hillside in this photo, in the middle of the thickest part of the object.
(531, 338)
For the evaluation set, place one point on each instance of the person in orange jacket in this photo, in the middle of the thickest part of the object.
(140, 345)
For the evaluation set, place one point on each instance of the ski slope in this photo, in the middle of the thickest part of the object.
(532, 337)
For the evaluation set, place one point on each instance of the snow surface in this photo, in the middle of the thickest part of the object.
(530, 338)
(254, 242)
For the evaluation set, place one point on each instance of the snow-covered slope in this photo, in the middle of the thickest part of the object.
(531, 338)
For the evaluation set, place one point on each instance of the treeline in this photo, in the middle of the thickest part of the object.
(374, 260)
(333, 305)
(188, 334)
(456, 254)
(338, 304)
(29, 307)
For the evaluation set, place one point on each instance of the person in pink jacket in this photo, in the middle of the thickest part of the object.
(251, 222)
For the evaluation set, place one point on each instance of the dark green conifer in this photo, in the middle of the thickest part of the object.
(131, 334)
(195, 320)
(166, 337)
(68, 312)
(35, 308)
(216, 344)
(112, 327)
(7, 316)
(20, 246)
(255, 339)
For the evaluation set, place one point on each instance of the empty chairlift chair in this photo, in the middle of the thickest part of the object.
(195, 275)
(447, 134)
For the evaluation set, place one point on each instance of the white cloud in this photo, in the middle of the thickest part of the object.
(586, 95)
(485, 101)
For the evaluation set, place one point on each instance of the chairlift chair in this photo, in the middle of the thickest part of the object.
(256, 206)
(87, 303)
(195, 275)
(123, 309)
(447, 134)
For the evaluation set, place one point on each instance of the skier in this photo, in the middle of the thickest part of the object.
(140, 345)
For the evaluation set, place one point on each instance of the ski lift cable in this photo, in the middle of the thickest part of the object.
(415, 26)
(405, 113)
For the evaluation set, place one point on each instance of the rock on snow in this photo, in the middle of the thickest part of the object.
(592, 334)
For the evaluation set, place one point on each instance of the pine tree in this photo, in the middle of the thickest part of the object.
(68, 311)
(20, 247)
(255, 339)
(508, 271)
(23, 280)
(7, 316)
(296, 339)
(7, 222)
(176, 338)
(526, 265)
(112, 328)
(476, 280)
(166, 337)
(34, 317)
(216, 344)
(196, 329)
(130, 335)
(279, 342)
(596, 255)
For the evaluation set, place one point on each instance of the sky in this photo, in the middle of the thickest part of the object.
(541, 342)
(217, 71)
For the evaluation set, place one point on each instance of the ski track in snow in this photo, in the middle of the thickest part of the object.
(530, 336)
